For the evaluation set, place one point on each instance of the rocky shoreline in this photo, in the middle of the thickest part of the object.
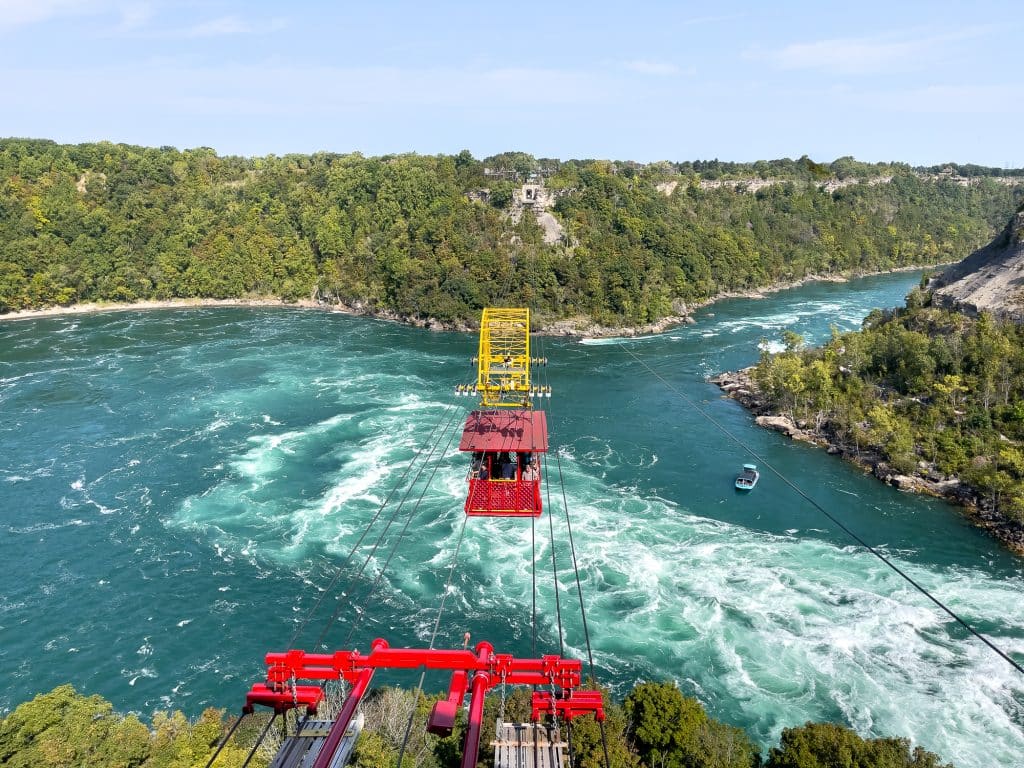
(740, 386)
(580, 327)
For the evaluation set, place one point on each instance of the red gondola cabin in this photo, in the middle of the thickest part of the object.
(504, 476)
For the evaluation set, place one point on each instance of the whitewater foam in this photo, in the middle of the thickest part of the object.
(769, 628)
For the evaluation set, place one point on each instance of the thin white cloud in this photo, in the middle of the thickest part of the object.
(16, 13)
(711, 19)
(964, 100)
(646, 67)
(866, 55)
(204, 92)
(131, 15)
(226, 26)
(135, 16)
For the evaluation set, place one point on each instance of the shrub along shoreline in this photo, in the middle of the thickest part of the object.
(927, 399)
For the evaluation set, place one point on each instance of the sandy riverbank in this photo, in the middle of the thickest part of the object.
(93, 308)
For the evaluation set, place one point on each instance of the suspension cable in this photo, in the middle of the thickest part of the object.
(579, 592)
(341, 568)
(226, 739)
(394, 515)
(433, 637)
(554, 564)
(259, 741)
(401, 535)
(533, 577)
(816, 505)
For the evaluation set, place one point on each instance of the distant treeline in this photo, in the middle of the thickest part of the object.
(416, 234)
(655, 727)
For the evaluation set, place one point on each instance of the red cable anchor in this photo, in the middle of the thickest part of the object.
(475, 672)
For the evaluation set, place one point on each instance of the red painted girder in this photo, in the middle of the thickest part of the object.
(481, 684)
(282, 667)
(283, 699)
(574, 704)
(488, 671)
(337, 732)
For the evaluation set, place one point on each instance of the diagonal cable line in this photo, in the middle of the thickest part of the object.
(949, 611)
(355, 606)
(579, 592)
(401, 536)
(433, 637)
(344, 564)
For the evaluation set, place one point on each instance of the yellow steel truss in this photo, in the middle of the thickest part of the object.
(503, 365)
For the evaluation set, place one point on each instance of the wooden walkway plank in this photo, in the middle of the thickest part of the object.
(527, 745)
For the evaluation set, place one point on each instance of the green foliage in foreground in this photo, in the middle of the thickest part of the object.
(925, 389)
(824, 745)
(656, 727)
(671, 731)
(65, 729)
(106, 222)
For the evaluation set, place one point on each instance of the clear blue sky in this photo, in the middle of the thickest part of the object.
(919, 82)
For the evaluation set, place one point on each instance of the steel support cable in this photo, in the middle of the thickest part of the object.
(288, 749)
(551, 531)
(949, 611)
(554, 564)
(583, 610)
(433, 638)
(533, 537)
(394, 516)
(401, 535)
(579, 592)
(383, 533)
(533, 579)
(226, 739)
(259, 741)
(508, 280)
(341, 568)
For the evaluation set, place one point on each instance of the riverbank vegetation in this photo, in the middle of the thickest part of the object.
(933, 394)
(431, 236)
(655, 727)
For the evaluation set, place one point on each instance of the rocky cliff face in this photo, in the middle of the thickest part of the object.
(990, 279)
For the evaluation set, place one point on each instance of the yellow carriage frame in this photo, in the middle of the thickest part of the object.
(503, 363)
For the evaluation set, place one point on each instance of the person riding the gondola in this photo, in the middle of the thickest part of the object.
(531, 472)
(508, 466)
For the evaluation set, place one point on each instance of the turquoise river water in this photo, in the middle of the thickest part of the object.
(176, 486)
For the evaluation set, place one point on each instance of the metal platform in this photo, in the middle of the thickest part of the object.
(302, 749)
(527, 745)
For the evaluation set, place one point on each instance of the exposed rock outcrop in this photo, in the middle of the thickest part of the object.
(989, 280)
(782, 424)
(540, 200)
(584, 327)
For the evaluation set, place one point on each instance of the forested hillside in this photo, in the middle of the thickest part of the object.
(431, 236)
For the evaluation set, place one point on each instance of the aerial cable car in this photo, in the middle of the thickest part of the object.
(505, 435)
(505, 426)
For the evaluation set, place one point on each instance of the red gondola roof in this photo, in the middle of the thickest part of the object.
(511, 430)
